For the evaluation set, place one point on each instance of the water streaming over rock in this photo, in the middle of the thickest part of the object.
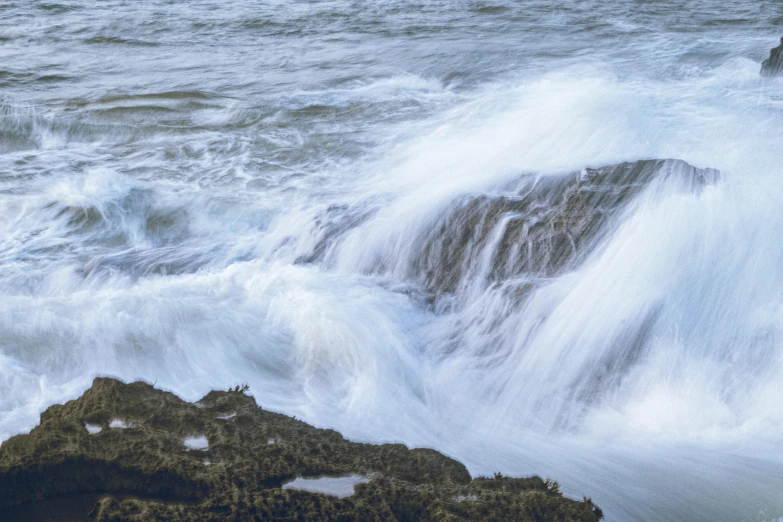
(540, 238)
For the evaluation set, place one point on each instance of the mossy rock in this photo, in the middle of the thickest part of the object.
(141, 470)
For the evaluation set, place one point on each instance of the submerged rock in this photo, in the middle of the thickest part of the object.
(773, 66)
(62, 471)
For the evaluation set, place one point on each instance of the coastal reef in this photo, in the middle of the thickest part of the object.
(133, 452)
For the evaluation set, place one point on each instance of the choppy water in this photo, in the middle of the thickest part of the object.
(202, 194)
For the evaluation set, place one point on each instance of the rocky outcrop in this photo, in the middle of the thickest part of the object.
(542, 226)
(773, 66)
(132, 452)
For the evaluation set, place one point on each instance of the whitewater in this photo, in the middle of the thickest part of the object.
(338, 203)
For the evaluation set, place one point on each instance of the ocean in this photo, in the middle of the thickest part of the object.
(365, 211)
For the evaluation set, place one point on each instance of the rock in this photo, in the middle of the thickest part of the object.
(540, 227)
(224, 458)
(773, 66)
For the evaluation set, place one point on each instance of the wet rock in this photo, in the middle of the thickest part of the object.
(773, 66)
(541, 227)
(62, 471)
(330, 224)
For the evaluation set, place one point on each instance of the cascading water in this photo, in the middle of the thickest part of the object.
(541, 239)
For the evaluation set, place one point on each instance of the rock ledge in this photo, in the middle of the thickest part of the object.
(224, 458)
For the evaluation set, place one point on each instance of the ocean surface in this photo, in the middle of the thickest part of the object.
(201, 194)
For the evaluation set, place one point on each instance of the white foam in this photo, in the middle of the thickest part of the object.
(120, 424)
(338, 345)
(93, 429)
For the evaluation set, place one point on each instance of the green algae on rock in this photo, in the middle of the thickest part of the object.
(157, 457)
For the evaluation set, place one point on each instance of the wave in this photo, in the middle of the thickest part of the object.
(468, 252)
